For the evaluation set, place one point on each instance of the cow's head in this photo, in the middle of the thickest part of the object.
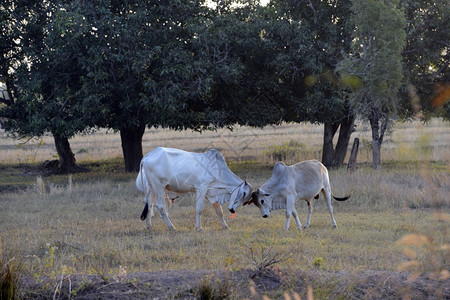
(263, 201)
(240, 196)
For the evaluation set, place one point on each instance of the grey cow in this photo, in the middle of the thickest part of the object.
(304, 180)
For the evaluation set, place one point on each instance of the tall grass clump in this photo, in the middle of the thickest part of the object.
(10, 270)
(213, 290)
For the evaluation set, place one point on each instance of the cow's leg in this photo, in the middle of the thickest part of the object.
(310, 209)
(219, 213)
(168, 201)
(152, 207)
(327, 194)
(288, 217)
(297, 220)
(200, 195)
(150, 211)
(290, 210)
(161, 206)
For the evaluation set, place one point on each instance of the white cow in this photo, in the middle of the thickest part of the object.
(176, 171)
(304, 180)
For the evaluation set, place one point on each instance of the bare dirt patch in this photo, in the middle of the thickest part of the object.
(276, 284)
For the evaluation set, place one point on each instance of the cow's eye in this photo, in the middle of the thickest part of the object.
(244, 194)
(262, 201)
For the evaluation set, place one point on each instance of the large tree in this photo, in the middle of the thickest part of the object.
(40, 70)
(375, 64)
(332, 36)
(123, 65)
(147, 68)
(288, 51)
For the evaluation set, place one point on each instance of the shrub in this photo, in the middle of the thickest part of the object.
(318, 262)
(286, 151)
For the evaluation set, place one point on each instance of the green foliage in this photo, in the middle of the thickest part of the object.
(374, 65)
(44, 73)
(376, 61)
(425, 58)
(281, 46)
(318, 262)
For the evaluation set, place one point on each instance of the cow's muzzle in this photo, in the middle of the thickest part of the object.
(232, 210)
(265, 216)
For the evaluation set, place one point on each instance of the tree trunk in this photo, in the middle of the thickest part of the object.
(376, 154)
(334, 157)
(378, 126)
(328, 152)
(132, 146)
(346, 130)
(67, 162)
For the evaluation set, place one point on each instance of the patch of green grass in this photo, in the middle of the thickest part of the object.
(114, 165)
(17, 176)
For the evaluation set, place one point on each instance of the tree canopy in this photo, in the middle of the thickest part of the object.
(425, 60)
(375, 62)
(74, 66)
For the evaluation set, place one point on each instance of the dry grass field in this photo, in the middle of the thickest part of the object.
(80, 237)
(408, 141)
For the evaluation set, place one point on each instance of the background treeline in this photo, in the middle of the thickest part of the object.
(72, 66)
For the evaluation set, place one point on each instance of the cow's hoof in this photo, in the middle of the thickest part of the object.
(200, 230)
(225, 227)
(335, 226)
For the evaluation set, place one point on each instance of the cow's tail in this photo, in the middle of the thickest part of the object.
(341, 198)
(145, 211)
